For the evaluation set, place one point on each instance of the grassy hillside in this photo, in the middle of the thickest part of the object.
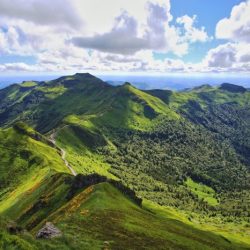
(204, 192)
(99, 216)
(80, 144)
(26, 158)
(85, 96)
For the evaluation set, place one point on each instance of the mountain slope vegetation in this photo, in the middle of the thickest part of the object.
(185, 154)
(100, 215)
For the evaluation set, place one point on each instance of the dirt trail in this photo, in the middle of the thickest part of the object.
(62, 153)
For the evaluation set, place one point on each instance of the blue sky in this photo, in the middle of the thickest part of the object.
(132, 37)
(209, 14)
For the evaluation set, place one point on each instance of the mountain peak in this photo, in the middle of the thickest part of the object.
(233, 88)
(79, 80)
(203, 86)
(127, 84)
(84, 75)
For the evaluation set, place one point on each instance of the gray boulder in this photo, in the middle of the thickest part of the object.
(48, 231)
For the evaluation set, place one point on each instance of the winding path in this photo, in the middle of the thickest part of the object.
(62, 153)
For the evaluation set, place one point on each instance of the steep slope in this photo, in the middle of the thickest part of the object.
(164, 95)
(93, 213)
(26, 159)
(105, 105)
(84, 110)
(224, 111)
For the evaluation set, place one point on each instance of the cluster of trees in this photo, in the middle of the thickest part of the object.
(229, 121)
(156, 165)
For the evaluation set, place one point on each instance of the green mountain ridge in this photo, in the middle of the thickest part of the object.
(185, 154)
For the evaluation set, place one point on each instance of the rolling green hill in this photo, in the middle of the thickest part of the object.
(185, 154)
(82, 95)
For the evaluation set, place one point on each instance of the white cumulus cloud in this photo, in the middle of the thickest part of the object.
(237, 26)
(229, 57)
(77, 35)
(46, 12)
(191, 33)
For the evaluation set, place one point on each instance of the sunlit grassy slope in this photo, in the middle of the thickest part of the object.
(26, 159)
(100, 216)
(204, 192)
(79, 142)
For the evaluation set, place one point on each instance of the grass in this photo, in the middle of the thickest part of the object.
(134, 109)
(13, 242)
(84, 121)
(79, 154)
(101, 215)
(233, 232)
(24, 163)
(125, 223)
(204, 192)
(104, 105)
(28, 84)
(52, 92)
(204, 94)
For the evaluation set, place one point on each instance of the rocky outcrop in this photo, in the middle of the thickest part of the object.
(48, 231)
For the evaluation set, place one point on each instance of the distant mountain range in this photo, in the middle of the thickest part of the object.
(145, 82)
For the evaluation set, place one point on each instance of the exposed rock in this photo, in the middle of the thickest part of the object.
(48, 231)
